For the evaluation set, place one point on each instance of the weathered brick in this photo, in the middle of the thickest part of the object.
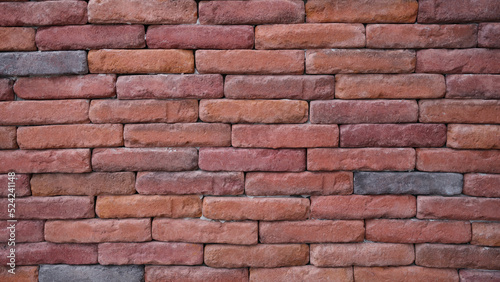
(489, 34)
(195, 182)
(482, 185)
(361, 207)
(362, 254)
(253, 111)
(66, 87)
(332, 61)
(268, 209)
(457, 256)
(418, 231)
(473, 86)
(459, 208)
(6, 93)
(237, 159)
(90, 37)
(143, 12)
(90, 184)
(459, 111)
(194, 274)
(303, 183)
(23, 273)
(404, 273)
(43, 13)
(303, 87)
(169, 86)
(50, 273)
(462, 161)
(387, 86)
(121, 111)
(311, 231)
(17, 38)
(204, 231)
(364, 159)
(150, 253)
(50, 253)
(26, 231)
(304, 273)
(261, 255)
(98, 230)
(250, 61)
(308, 36)
(463, 136)
(251, 12)
(148, 206)
(477, 60)
(200, 37)
(43, 161)
(442, 11)
(416, 183)
(22, 182)
(421, 36)
(472, 275)
(63, 207)
(486, 234)
(43, 63)
(8, 137)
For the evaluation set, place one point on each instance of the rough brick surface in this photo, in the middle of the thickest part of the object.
(452, 256)
(6, 92)
(49, 273)
(482, 185)
(22, 273)
(63, 207)
(22, 182)
(471, 275)
(458, 61)
(442, 11)
(43, 161)
(459, 208)
(50, 253)
(404, 273)
(43, 13)
(449, 160)
(26, 231)
(486, 234)
(459, 111)
(194, 273)
(488, 35)
(297, 273)
(8, 137)
(17, 39)
(461, 136)
(43, 63)
(473, 86)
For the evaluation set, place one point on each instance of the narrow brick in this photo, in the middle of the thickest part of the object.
(250, 61)
(302, 183)
(361, 254)
(237, 159)
(158, 253)
(462, 136)
(404, 273)
(251, 12)
(90, 37)
(453, 256)
(22, 182)
(269, 209)
(63, 207)
(462, 161)
(459, 111)
(194, 274)
(143, 12)
(473, 86)
(26, 231)
(44, 161)
(195, 182)
(416, 183)
(261, 255)
(154, 159)
(442, 11)
(8, 137)
(333, 61)
(66, 87)
(305, 273)
(489, 34)
(253, 111)
(482, 185)
(49, 273)
(204, 231)
(363, 207)
(43, 13)
(459, 208)
(6, 92)
(477, 60)
(43, 63)
(486, 234)
(23, 273)
(418, 231)
(301, 87)
(17, 38)
(148, 206)
(471, 275)
(50, 253)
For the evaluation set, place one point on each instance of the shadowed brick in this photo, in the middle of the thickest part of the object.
(473, 86)
(475, 60)
(404, 273)
(132, 273)
(43, 13)
(194, 274)
(43, 63)
(453, 256)
(17, 38)
(443, 11)
(44, 161)
(459, 208)
(305, 273)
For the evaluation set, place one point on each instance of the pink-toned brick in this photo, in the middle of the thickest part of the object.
(298, 273)
(50, 253)
(8, 137)
(42, 161)
(473, 86)
(25, 231)
(482, 185)
(459, 111)
(486, 234)
(477, 60)
(63, 207)
(404, 273)
(453, 256)
(449, 160)
(459, 208)
(472, 275)
(22, 182)
(489, 34)
(443, 11)
(43, 13)
(464, 136)
(194, 274)
(17, 39)
(6, 93)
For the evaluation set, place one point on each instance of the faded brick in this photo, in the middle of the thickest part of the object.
(8, 137)
(301, 273)
(50, 253)
(472, 275)
(194, 274)
(43, 63)
(49, 273)
(489, 34)
(453, 256)
(459, 111)
(404, 273)
(25, 231)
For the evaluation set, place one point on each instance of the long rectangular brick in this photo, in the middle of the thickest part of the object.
(22, 182)
(194, 273)
(471, 275)
(43, 13)
(25, 231)
(22, 273)
(404, 273)
(443, 11)
(462, 161)
(482, 86)
(459, 111)
(60, 272)
(482, 185)
(44, 161)
(6, 92)
(453, 256)
(476, 60)
(43, 63)
(489, 34)
(463, 136)
(50, 253)
(62, 207)
(297, 273)
(459, 208)
(17, 38)
(486, 234)
(8, 137)
(204, 231)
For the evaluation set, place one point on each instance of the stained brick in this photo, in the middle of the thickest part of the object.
(489, 34)
(43, 13)
(453, 256)
(459, 208)
(477, 60)
(49, 273)
(449, 160)
(43, 63)
(17, 38)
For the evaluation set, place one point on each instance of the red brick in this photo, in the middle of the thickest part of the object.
(364, 159)
(462, 136)
(476, 60)
(26, 231)
(392, 135)
(44, 112)
(195, 182)
(6, 93)
(261, 255)
(150, 253)
(204, 231)
(361, 254)
(148, 206)
(303, 87)
(8, 137)
(332, 61)
(200, 37)
(473, 86)
(22, 182)
(50, 253)
(303, 183)
(98, 230)
(472, 275)
(311, 231)
(459, 208)
(361, 207)
(169, 86)
(459, 111)
(457, 256)
(236, 159)
(143, 11)
(489, 34)
(36, 161)
(251, 12)
(387, 86)
(194, 274)
(482, 185)
(243, 208)
(418, 231)
(23, 273)
(17, 39)
(43, 13)
(155, 159)
(66, 87)
(121, 111)
(63, 207)
(250, 61)
(301, 273)
(308, 36)
(253, 111)
(443, 11)
(421, 36)
(404, 273)
(486, 234)
(449, 160)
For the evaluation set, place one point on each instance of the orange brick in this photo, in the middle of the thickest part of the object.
(23, 273)
(449, 160)
(459, 111)
(17, 39)
(463, 136)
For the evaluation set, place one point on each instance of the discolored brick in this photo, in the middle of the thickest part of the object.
(194, 273)
(22, 273)
(49, 273)
(462, 136)
(471, 275)
(459, 111)
(17, 39)
(488, 35)
(43, 63)
(453, 256)
(297, 273)
(6, 93)
(25, 231)
(22, 182)
(404, 273)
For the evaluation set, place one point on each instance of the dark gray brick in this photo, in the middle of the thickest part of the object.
(43, 63)
(90, 273)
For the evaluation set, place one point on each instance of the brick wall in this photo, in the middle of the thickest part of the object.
(262, 140)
